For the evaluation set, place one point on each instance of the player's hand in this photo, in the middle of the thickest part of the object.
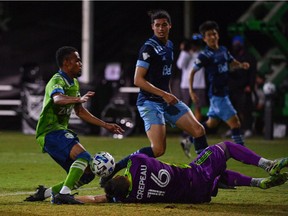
(170, 98)
(245, 65)
(114, 128)
(247, 89)
(86, 97)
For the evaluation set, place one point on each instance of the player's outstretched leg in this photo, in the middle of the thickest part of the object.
(41, 194)
(245, 155)
(273, 181)
(277, 165)
(233, 178)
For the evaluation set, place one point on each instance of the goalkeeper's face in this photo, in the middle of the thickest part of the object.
(75, 65)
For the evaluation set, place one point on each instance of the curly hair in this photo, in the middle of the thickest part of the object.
(63, 53)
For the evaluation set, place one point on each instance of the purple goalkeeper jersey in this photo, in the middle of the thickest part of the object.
(155, 181)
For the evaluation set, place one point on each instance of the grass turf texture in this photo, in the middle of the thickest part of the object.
(24, 167)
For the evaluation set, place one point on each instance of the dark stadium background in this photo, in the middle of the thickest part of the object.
(36, 29)
(31, 32)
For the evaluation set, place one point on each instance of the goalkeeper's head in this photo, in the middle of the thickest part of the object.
(117, 187)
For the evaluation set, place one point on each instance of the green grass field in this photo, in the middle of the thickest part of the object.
(24, 167)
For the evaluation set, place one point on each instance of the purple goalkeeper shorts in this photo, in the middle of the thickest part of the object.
(212, 160)
(209, 165)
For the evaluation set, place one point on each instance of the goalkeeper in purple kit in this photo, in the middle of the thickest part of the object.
(148, 180)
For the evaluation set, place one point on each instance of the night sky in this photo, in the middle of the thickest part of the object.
(37, 29)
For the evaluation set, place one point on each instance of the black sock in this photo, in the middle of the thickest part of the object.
(200, 143)
(123, 163)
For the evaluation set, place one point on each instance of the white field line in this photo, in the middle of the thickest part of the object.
(31, 192)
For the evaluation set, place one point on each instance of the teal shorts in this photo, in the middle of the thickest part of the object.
(221, 108)
(159, 113)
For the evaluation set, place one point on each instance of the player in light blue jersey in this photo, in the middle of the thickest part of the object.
(62, 95)
(156, 103)
(218, 63)
(148, 180)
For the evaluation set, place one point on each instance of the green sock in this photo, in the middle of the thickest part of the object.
(75, 173)
(56, 188)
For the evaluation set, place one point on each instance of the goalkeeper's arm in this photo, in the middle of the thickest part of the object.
(92, 199)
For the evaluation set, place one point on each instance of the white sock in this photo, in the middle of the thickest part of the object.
(65, 190)
(265, 163)
(48, 192)
(255, 182)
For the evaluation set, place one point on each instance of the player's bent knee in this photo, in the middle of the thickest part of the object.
(158, 152)
(199, 131)
(234, 122)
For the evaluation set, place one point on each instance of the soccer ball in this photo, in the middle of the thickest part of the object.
(102, 164)
(269, 88)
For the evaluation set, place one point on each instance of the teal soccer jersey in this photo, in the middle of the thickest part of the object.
(56, 117)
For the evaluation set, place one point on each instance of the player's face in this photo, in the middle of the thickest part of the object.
(74, 64)
(211, 38)
(161, 28)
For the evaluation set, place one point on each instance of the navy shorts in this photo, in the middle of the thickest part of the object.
(58, 145)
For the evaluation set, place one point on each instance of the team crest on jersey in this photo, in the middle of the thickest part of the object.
(197, 61)
(145, 55)
(69, 136)
(57, 86)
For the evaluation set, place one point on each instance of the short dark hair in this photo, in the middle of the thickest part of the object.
(207, 26)
(63, 53)
(159, 14)
(117, 187)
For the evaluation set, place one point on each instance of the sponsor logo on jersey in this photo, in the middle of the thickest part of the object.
(145, 55)
(57, 86)
(197, 61)
(69, 136)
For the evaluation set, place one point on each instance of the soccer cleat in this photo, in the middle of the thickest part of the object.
(186, 146)
(273, 181)
(52, 198)
(277, 166)
(38, 195)
(248, 134)
(228, 133)
(65, 199)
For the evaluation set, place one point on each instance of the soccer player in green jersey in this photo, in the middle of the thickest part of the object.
(62, 95)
